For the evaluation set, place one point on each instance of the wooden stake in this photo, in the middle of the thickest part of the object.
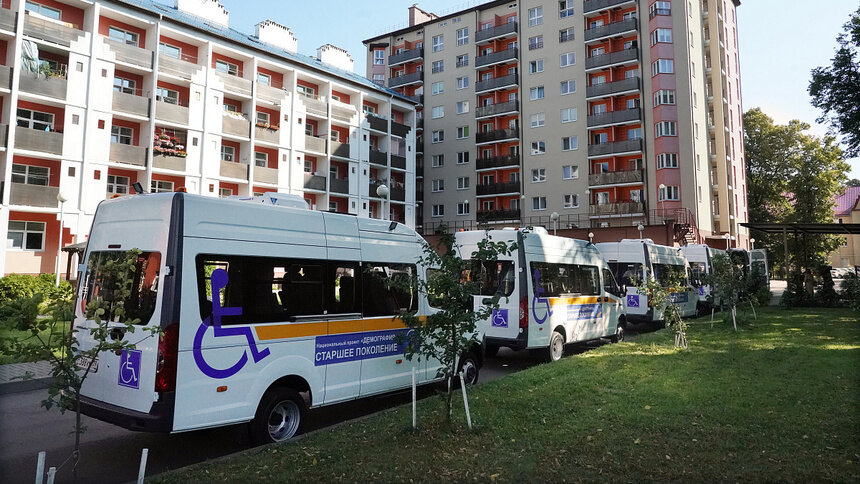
(414, 410)
(40, 468)
(142, 471)
(465, 400)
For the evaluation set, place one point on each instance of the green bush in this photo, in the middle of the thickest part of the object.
(849, 293)
(18, 286)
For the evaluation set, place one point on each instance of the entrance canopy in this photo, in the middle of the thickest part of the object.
(802, 228)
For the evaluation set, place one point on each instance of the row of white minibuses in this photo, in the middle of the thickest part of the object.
(267, 308)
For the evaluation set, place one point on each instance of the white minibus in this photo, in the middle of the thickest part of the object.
(553, 291)
(635, 260)
(266, 308)
(699, 257)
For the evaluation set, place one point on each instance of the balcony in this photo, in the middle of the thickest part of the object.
(373, 186)
(267, 135)
(398, 162)
(497, 188)
(314, 182)
(131, 54)
(405, 80)
(615, 147)
(615, 178)
(494, 215)
(340, 150)
(342, 111)
(339, 185)
(4, 135)
(38, 140)
(612, 88)
(497, 109)
(8, 19)
(33, 195)
(400, 130)
(397, 194)
(130, 103)
(170, 112)
(182, 68)
(418, 99)
(231, 169)
(505, 56)
(165, 162)
(617, 208)
(614, 117)
(263, 174)
(50, 30)
(379, 157)
(127, 154)
(497, 162)
(271, 94)
(5, 76)
(612, 58)
(312, 143)
(405, 56)
(497, 135)
(377, 123)
(315, 105)
(595, 5)
(235, 83)
(49, 86)
(492, 33)
(615, 28)
(235, 126)
(496, 83)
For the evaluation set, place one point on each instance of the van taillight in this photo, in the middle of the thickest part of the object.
(524, 313)
(168, 349)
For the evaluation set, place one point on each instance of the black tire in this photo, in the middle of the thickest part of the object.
(470, 365)
(620, 331)
(491, 350)
(280, 416)
(556, 347)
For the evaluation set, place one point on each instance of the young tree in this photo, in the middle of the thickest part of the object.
(448, 335)
(727, 284)
(836, 89)
(660, 297)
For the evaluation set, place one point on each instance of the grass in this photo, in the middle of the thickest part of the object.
(777, 401)
(27, 338)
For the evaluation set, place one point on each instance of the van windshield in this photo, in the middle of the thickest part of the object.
(698, 273)
(668, 275)
(627, 274)
(124, 283)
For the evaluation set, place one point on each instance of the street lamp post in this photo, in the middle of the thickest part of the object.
(727, 237)
(752, 244)
(62, 199)
(554, 218)
(382, 191)
(591, 237)
(661, 194)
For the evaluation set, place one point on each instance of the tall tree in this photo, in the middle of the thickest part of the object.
(791, 177)
(836, 89)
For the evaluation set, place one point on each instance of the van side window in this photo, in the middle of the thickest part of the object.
(343, 295)
(609, 284)
(496, 277)
(388, 288)
(567, 279)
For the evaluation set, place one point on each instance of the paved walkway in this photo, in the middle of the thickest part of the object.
(12, 376)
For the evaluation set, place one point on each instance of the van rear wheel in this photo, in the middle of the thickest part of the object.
(470, 368)
(619, 333)
(556, 346)
(279, 417)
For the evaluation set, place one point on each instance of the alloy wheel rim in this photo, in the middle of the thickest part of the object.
(284, 420)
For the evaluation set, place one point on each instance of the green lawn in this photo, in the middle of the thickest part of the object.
(777, 401)
(26, 336)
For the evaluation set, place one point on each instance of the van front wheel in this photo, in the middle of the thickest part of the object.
(279, 417)
(556, 346)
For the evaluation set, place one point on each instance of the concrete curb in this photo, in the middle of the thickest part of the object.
(19, 386)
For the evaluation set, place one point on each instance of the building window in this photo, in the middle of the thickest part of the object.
(538, 147)
(170, 50)
(667, 160)
(439, 185)
(536, 66)
(567, 59)
(438, 43)
(536, 42)
(438, 88)
(661, 36)
(538, 175)
(35, 120)
(570, 172)
(565, 8)
(568, 115)
(571, 201)
(536, 93)
(438, 66)
(159, 186)
(438, 136)
(165, 95)
(462, 132)
(227, 67)
(379, 57)
(462, 82)
(26, 235)
(537, 120)
(438, 210)
(437, 160)
(664, 96)
(538, 203)
(462, 107)
(123, 36)
(665, 128)
(568, 87)
(264, 79)
(463, 60)
(634, 133)
(437, 112)
(228, 153)
(569, 143)
(379, 79)
(535, 16)
(306, 91)
(462, 183)
(121, 84)
(660, 8)
(565, 35)
(31, 175)
(121, 135)
(463, 208)
(463, 36)
(118, 185)
(261, 158)
(662, 66)
(669, 193)
(225, 192)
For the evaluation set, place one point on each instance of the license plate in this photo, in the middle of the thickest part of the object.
(84, 362)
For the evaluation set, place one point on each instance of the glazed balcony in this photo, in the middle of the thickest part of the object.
(508, 107)
(339, 185)
(398, 162)
(496, 32)
(341, 150)
(166, 162)
(405, 56)
(38, 140)
(617, 208)
(377, 123)
(378, 157)
(127, 154)
(231, 169)
(50, 30)
(184, 67)
(615, 178)
(615, 28)
(596, 5)
(497, 135)
(612, 88)
(312, 143)
(614, 117)
(264, 174)
(497, 162)
(33, 195)
(497, 188)
(615, 147)
(494, 215)
(8, 19)
(130, 103)
(613, 58)
(496, 83)
(267, 135)
(5, 77)
(131, 54)
(235, 126)
(170, 112)
(400, 130)
(235, 84)
(503, 57)
(314, 182)
(405, 80)
(49, 86)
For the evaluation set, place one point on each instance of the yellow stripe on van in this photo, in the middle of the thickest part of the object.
(300, 330)
(564, 301)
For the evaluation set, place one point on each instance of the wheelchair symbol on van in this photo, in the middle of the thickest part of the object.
(537, 299)
(500, 318)
(129, 369)
(219, 281)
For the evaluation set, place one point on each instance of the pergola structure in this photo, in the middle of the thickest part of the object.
(803, 229)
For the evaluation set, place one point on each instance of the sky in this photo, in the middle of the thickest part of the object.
(781, 41)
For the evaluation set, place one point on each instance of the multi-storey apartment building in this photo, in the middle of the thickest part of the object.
(587, 116)
(97, 96)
